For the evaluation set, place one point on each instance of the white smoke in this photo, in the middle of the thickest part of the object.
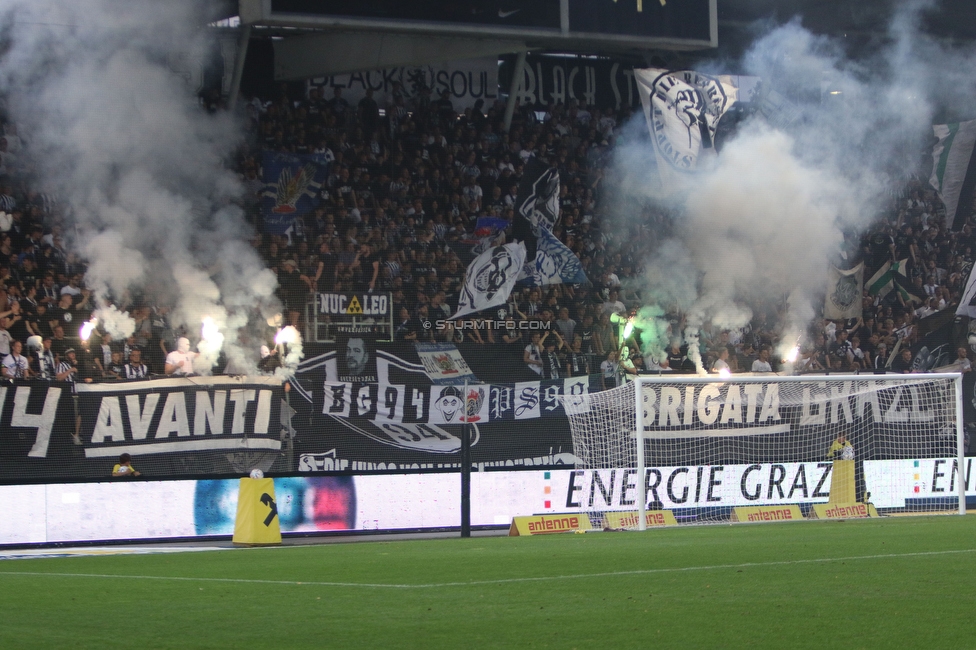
(140, 167)
(759, 228)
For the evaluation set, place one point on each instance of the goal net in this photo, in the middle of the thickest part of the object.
(864, 444)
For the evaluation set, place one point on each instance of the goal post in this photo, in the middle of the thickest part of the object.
(704, 446)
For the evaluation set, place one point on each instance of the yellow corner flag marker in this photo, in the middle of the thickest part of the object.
(257, 514)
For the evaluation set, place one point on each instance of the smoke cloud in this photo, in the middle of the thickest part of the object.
(757, 229)
(141, 169)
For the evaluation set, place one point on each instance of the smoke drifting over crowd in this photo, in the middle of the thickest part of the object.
(140, 170)
(759, 225)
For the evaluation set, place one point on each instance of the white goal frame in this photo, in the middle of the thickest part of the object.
(640, 381)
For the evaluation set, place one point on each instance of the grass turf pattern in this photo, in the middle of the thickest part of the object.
(894, 582)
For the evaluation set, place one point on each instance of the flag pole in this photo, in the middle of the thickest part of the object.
(465, 468)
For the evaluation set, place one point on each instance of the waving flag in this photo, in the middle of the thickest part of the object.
(538, 194)
(490, 278)
(292, 185)
(536, 205)
(843, 298)
(554, 263)
(547, 260)
(683, 109)
(885, 279)
(954, 170)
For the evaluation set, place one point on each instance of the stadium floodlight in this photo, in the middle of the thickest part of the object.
(701, 446)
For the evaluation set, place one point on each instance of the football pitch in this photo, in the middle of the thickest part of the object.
(893, 582)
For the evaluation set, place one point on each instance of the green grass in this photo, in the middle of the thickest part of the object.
(775, 585)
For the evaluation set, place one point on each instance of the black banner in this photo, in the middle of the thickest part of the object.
(217, 427)
(209, 426)
(603, 83)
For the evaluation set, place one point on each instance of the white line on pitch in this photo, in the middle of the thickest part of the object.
(499, 581)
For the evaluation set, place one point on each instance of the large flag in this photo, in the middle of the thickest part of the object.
(844, 293)
(536, 204)
(547, 260)
(885, 279)
(954, 170)
(292, 185)
(967, 305)
(490, 278)
(538, 194)
(683, 109)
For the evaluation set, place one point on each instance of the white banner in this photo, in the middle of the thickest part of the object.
(443, 363)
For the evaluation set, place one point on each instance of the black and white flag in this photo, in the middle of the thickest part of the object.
(490, 278)
(683, 109)
(537, 204)
(954, 170)
(538, 194)
(547, 260)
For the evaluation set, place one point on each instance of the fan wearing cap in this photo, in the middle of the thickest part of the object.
(68, 367)
(180, 361)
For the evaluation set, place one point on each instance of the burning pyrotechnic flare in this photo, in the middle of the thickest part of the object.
(287, 336)
(288, 341)
(87, 329)
(628, 328)
(211, 341)
(724, 373)
(209, 330)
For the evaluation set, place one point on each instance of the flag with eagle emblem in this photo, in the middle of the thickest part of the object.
(291, 189)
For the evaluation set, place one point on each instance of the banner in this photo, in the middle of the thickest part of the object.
(467, 80)
(292, 185)
(167, 416)
(683, 109)
(355, 304)
(600, 83)
(490, 278)
(171, 427)
(403, 422)
(844, 289)
(357, 349)
(420, 404)
(954, 170)
(444, 364)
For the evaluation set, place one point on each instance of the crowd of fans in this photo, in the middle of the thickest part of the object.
(408, 182)
(398, 213)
